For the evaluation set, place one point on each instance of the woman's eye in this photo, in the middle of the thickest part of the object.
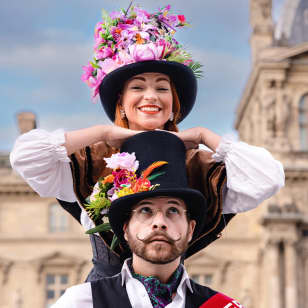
(163, 89)
(136, 87)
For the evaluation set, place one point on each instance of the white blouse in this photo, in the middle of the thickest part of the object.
(253, 175)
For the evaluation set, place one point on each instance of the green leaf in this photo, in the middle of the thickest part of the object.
(115, 242)
(94, 65)
(155, 175)
(100, 228)
(196, 68)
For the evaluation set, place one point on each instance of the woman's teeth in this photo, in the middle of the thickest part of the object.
(149, 108)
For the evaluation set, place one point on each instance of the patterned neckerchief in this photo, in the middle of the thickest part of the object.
(160, 293)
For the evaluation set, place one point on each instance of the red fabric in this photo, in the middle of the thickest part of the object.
(221, 301)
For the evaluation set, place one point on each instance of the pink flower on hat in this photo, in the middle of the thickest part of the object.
(104, 53)
(95, 82)
(122, 177)
(146, 52)
(88, 72)
(122, 161)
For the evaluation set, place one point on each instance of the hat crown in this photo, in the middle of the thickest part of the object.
(153, 146)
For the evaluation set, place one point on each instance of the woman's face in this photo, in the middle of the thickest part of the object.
(147, 101)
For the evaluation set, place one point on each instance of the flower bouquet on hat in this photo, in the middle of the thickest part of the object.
(135, 35)
(121, 182)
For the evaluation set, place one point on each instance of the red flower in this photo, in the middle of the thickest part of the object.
(182, 19)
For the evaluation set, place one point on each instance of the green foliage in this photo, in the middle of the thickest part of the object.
(95, 207)
(100, 228)
(115, 242)
(196, 68)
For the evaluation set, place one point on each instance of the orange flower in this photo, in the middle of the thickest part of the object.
(108, 179)
(141, 185)
(139, 39)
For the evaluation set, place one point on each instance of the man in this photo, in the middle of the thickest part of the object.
(158, 224)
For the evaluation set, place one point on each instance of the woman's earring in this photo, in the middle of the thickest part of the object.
(122, 113)
(171, 118)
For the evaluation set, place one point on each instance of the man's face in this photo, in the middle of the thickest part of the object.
(158, 230)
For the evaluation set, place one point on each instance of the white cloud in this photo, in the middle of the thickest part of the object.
(55, 56)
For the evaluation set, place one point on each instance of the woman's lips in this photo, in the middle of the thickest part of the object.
(149, 109)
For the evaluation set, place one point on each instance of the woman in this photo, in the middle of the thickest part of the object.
(145, 81)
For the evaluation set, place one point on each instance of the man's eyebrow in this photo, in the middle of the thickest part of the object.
(144, 202)
(174, 202)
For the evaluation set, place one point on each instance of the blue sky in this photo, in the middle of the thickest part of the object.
(43, 45)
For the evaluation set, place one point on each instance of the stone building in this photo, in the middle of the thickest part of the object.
(42, 250)
(273, 113)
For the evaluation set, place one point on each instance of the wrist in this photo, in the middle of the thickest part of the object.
(210, 139)
(103, 132)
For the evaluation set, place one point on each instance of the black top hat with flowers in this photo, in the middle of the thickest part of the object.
(161, 172)
(133, 41)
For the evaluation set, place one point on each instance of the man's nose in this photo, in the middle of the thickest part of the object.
(159, 221)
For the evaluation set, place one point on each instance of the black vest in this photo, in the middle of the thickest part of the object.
(109, 293)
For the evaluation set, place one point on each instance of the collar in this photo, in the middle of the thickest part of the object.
(185, 281)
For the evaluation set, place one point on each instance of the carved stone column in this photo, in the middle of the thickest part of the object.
(262, 26)
(291, 280)
(273, 279)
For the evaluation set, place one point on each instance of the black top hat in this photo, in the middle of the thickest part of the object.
(155, 146)
(181, 75)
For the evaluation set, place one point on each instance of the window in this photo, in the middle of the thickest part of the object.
(205, 279)
(195, 278)
(58, 220)
(55, 287)
(303, 122)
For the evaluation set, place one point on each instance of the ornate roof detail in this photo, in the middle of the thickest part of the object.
(292, 27)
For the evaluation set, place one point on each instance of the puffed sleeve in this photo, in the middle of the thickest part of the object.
(253, 175)
(41, 159)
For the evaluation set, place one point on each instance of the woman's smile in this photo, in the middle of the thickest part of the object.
(149, 109)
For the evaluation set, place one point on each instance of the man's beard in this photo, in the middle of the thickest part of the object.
(158, 252)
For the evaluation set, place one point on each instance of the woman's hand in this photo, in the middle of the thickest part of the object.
(192, 137)
(115, 135)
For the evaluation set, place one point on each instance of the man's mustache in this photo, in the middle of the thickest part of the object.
(162, 236)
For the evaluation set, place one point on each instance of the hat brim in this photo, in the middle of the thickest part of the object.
(181, 75)
(120, 209)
